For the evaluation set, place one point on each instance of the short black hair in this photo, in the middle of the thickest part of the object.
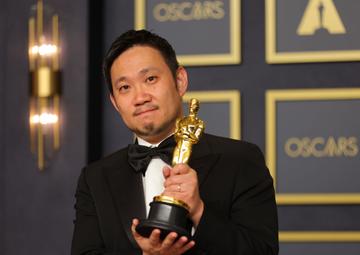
(138, 37)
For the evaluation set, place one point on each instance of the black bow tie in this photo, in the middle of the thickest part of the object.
(140, 156)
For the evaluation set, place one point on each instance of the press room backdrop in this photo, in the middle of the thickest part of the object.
(36, 209)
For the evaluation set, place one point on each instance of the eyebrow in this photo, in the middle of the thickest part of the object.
(146, 70)
(141, 72)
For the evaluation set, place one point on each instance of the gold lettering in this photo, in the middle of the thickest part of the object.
(218, 11)
(289, 147)
(330, 147)
(306, 147)
(316, 151)
(160, 12)
(207, 9)
(342, 144)
(173, 11)
(187, 11)
(352, 148)
(197, 11)
(320, 147)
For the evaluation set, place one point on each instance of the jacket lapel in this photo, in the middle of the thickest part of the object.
(202, 159)
(128, 195)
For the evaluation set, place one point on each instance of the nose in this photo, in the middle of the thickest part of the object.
(141, 96)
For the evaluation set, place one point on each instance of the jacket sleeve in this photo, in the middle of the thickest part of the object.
(87, 238)
(250, 226)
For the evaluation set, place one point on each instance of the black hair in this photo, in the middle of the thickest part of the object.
(138, 37)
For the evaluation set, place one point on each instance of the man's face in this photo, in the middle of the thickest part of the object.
(145, 92)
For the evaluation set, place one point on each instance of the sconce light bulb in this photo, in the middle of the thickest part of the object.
(44, 118)
(44, 50)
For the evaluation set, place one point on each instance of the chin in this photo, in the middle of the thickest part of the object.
(145, 130)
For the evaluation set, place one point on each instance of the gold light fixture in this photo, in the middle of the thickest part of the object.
(45, 84)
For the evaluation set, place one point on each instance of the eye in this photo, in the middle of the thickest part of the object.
(151, 79)
(123, 88)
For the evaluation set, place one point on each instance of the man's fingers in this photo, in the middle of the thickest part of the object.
(169, 240)
(135, 222)
(180, 169)
(154, 238)
(179, 174)
(183, 244)
(180, 242)
(180, 188)
(178, 179)
(166, 171)
(187, 247)
(168, 194)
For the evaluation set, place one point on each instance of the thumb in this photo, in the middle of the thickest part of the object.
(166, 171)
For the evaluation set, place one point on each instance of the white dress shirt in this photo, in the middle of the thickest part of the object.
(153, 181)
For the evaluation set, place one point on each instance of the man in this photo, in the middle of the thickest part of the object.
(226, 184)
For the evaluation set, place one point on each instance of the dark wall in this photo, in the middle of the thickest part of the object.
(2, 120)
(36, 209)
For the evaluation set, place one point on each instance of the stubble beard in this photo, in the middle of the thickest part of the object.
(149, 129)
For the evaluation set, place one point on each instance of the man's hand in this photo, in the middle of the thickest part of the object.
(181, 183)
(154, 246)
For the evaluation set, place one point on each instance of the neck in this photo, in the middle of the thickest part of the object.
(155, 139)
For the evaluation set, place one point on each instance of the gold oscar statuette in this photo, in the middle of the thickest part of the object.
(167, 213)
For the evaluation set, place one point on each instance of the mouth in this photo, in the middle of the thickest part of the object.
(142, 111)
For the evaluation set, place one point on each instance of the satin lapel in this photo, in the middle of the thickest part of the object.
(128, 195)
(202, 159)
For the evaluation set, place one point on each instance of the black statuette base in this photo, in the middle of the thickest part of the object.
(166, 217)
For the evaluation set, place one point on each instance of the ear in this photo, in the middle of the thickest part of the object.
(112, 99)
(181, 80)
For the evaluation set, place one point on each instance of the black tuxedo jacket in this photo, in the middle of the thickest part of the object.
(239, 216)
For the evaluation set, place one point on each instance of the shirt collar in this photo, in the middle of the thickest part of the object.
(147, 144)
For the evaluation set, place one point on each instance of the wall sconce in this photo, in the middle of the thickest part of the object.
(45, 84)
